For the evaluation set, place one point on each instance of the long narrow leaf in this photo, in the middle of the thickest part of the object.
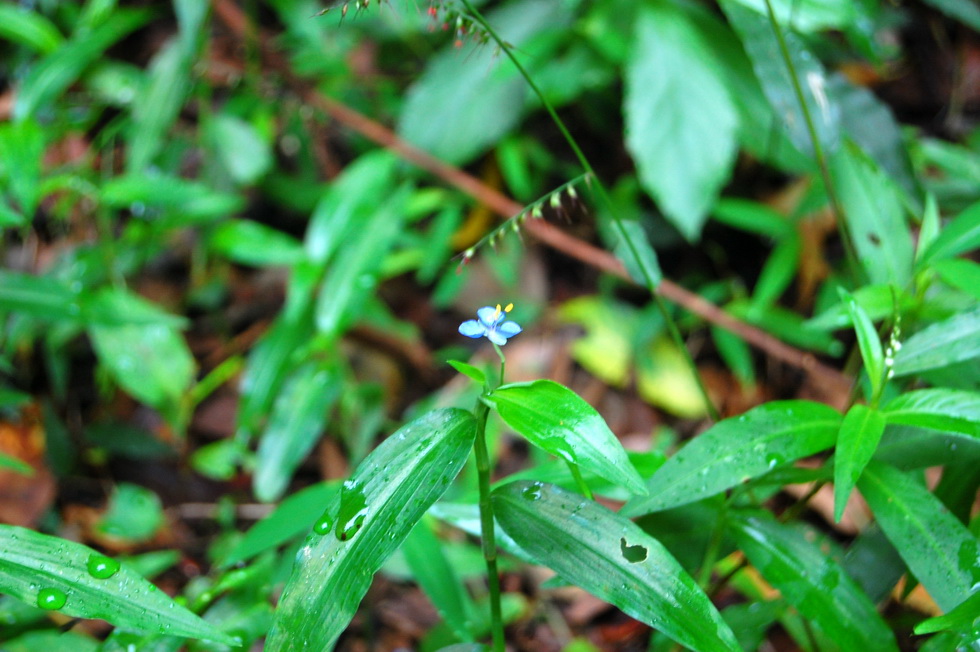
(612, 558)
(77, 581)
(857, 440)
(938, 549)
(813, 583)
(738, 449)
(380, 504)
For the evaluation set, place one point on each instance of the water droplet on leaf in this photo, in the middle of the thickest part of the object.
(532, 492)
(101, 567)
(51, 599)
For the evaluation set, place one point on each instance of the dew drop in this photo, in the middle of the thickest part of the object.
(532, 492)
(353, 510)
(323, 524)
(51, 599)
(101, 567)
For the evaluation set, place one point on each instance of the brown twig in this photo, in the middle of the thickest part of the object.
(546, 233)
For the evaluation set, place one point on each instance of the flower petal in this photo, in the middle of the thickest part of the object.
(496, 338)
(509, 328)
(472, 328)
(488, 315)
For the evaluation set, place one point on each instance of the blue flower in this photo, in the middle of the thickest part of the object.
(490, 323)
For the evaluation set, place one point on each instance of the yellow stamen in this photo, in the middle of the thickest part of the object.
(509, 307)
(497, 314)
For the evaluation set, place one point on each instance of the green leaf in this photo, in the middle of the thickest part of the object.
(962, 274)
(778, 272)
(156, 107)
(22, 144)
(62, 67)
(763, 49)
(134, 514)
(469, 371)
(380, 504)
(558, 420)
(240, 148)
(813, 583)
(960, 235)
(946, 410)
(40, 297)
(808, 15)
(292, 517)
(738, 449)
(860, 432)
(959, 619)
(612, 558)
(868, 342)
(31, 562)
(151, 362)
(877, 301)
(191, 201)
(16, 465)
(941, 344)
(681, 124)
(434, 574)
(295, 426)
(113, 306)
(52, 641)
(469, 97)
(251, 243)
(875, 216)
(30, 28)
(908, 447)
(635, 251)
(354, 272)
(939, 550)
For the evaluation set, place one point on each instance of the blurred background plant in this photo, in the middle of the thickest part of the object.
(224, 278)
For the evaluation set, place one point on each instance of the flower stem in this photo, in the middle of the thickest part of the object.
(579, 480)
(648, 281)
(489, 542)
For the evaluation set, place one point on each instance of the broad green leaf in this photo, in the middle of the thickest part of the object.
(151, 362)
(941, 344)
(939, 550)
(157, 106)
(962, 234)
(356, 267)
(813, 583)
(295, 426)
(240, 148)
(52, 641)
(962, 274)
(763, 49)
(437, 578)
(959, 619)
(945, 410)
(469, 97)
(859, 434)
(558, 420)
(752, 216)
(681, 124)
(738, 449)
(36, 566)
(874, 215)
(965, 11)
(868, 342)
(612, 558)
(380, 504)
(40, 297)
(62, 67)
(30, 28)
(292, 517)
(251, 243)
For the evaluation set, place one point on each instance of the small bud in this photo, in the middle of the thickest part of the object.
(536, 212)
(555, 200)
(571, 192)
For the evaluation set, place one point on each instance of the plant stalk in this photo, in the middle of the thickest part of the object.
(489, 543)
